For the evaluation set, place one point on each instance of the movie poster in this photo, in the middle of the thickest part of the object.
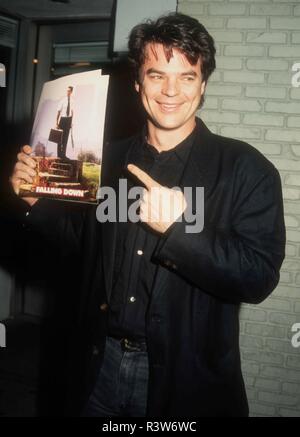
(67, 138)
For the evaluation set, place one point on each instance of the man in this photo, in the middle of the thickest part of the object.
(164, 301)
(64, 121)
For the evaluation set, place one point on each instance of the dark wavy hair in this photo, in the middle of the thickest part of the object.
(173, 31)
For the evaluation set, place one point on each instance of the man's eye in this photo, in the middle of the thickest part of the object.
(156, 76)
(188, 78)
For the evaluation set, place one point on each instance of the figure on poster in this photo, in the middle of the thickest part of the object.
(64, 118)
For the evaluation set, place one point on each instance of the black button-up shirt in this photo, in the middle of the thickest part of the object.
(134, 269)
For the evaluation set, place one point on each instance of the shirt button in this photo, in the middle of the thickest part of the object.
(156, 318)
(27, 214)
(132, 299)
(139, 252)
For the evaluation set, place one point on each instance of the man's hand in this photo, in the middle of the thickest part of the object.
(24, 171)
(160, 206)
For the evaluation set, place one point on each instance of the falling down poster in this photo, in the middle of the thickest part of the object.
(67, 138)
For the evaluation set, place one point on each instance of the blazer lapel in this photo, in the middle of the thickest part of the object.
(115, 168)
(197, 171)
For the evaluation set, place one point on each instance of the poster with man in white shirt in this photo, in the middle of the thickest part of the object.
(67, 138)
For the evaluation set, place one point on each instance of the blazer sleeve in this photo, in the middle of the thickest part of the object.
(59, 223)
(238, 263)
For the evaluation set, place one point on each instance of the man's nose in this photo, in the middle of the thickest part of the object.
(170, 87)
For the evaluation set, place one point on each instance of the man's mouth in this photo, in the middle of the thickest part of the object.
(169, 107)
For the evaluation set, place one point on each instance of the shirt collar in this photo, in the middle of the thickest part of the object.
(181, 150)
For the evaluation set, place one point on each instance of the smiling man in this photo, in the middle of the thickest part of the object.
(160, 305)
(171, 91)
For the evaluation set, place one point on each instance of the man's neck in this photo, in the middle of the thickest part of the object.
(164, 139)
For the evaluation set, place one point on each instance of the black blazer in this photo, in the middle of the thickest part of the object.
(192, 321)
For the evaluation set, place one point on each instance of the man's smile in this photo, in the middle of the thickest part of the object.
(169, 107)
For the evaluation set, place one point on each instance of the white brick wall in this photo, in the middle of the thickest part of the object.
(251, 97)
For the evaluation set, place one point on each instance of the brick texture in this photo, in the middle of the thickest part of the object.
(251, 97)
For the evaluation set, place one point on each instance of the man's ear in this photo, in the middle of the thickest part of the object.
(203, 86)
(137, 86)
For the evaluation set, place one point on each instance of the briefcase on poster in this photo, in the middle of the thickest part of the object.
(55, 135)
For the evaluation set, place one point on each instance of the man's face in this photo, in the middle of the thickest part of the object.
(69, 91)
(170, 91)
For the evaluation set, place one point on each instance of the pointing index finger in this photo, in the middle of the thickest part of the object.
(142, 176)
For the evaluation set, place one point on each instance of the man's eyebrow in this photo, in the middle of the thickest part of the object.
(186, 73)
(153, 70)
(189, 73)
